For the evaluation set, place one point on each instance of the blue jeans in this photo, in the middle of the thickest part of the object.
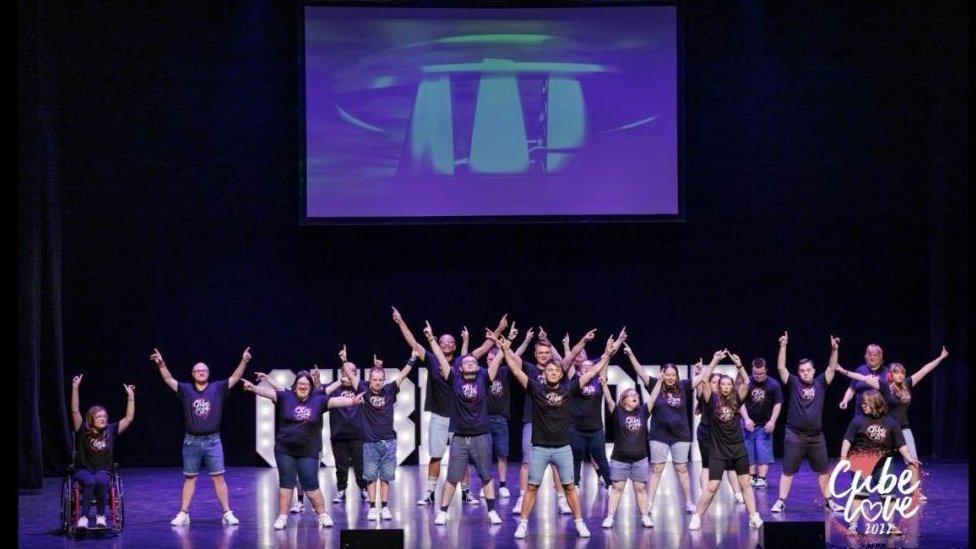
(498, 428)
(542, 456)
(379, 460)
(93, 484)
(304, 467)
(589, 445)
(205, 451)
(759, 445)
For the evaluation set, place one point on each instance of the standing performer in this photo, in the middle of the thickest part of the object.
(728, 448)
(499, 410)
(470, 385)
(551, 414)
(298, 440)
(873, 367)
(203, 406)
(346, 433)
(804, 421)
(763, 403)
(670, 426)
(379, 435)
(703, 434)
(896, 388)
(94, 451)
(587, 437)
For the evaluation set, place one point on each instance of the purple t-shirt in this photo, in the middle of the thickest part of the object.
(470, 417)
(500, 394)
(629, 434)
(761, 398)
(860, 387)
(345, 422)
(897, 403)
(551, 411)
(727, 441)
(440, 397)
(378, 411)
(669, 415)
(95, 453)
(202, 409)
(805, 415)
(588, 406)
(299, 429)
(868, 434)
(533, 372)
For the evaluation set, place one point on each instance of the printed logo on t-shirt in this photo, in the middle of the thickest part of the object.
(673, 399)
(201, 407)
(496, 388)
(98, 444)
(725, 414)
(469, 391)
(758, 394)
(348, 393)
(554, 399)
(302, 413)
(589, 389)
(808, 392)
(633, 423)
(377, 401)
(876, 433)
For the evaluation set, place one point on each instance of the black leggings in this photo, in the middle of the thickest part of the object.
(348, 453)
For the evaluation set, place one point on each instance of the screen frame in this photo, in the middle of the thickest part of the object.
(305, 220)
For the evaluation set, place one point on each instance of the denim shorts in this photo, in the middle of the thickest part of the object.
(621, 471)
(527, 443)
(465, 450)
(305, 468)
(542, 456)
(498, 428)
(438, 435)
(204, 452)
(379, 460)
(759, 445)
(679, 451)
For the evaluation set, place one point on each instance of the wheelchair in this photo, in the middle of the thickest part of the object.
(71, 506)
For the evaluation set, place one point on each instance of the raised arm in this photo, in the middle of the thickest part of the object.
(514, 362)
(697, 376)
(130, 407)
(239, 371)
(157, 358)
(544, 338)
(917, 376)
(871, 381)
(407, 334)
(495, 363)
(741, 377)
(76, 419)
(266, 392)
(487, 344)
(784, 374)
(832, 361)
(645, 379)
(405, 371)
(261, 376)
(567, 361)
(525, 342)
(444, 366)
(606, 394)
(342, 402)
(566, 348)
(608, 351)
(707, 373)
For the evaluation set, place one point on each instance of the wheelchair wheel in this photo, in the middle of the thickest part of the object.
(118, 523)
(67, 525)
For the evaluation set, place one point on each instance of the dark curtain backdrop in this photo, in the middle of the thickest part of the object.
(825, 192)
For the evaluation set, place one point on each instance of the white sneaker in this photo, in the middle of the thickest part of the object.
(522, 530)
(835, 507)
(100, 521)
(646, 521)
(695, 522)
(760, 482)
(363, 495)
(755, 521)
(471, 499)
(493, 517)
(325, 521)
(581, 529)
(385, 514)
(563, 505)
(690, 507)
(373, 514)
(340, 497)
(608, 522)
(280, 522)
(481, 492)
(738, 497)
(441, 518)
(778, 506)
(82, 522)
(297, 508)
(182, 518)
(752, 481)
(426, 500)
(229, 519)
(517, 508)
(503, 492)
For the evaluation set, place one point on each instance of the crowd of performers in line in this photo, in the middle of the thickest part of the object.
(562, 426)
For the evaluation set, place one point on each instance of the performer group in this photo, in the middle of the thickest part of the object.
(562, 427)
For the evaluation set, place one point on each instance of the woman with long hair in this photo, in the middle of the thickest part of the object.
(703, 434)
(94, 449)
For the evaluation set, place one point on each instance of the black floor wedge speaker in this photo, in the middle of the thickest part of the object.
(796, 534)
(361, 539)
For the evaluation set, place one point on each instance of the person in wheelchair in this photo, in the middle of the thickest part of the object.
(94, 448)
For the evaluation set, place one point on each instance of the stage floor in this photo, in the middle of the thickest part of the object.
(152, 498)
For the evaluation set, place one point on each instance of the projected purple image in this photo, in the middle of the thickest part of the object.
(542, 112)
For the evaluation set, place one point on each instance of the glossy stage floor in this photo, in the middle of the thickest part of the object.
(152, 498)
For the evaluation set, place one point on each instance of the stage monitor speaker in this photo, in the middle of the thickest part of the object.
(793, 534)
(358, 539)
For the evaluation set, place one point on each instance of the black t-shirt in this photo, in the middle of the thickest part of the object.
(629, 434)
(299, 429)
(537, 373)
(868, 434)
(897, 403)
(440, 397)
(860, 387)
(761, 398)
(805, 415)
(669, 416)
(588, 407)
(551, 411)
(95, 453)
(702, 404)
(345, 423)
(500, 394)
(202, 409)
(378, 411)
(470, 417)
(726, 430)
